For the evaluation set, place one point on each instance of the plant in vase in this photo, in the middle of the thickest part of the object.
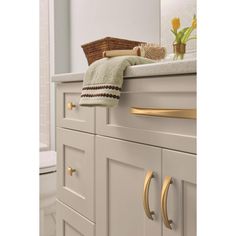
(182, 36)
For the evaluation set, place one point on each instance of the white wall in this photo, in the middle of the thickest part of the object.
(44, 74)
(61, 25)
(184, 9)
(82, 21)
(93, 19)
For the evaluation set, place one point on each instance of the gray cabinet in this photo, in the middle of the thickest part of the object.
(180, 197)
(121, 177)
(173, 92)
(75, 170)
(69, 113)
(124, 171)
(121, 170)
(70, 223)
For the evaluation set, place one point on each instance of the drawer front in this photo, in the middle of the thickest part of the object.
(170, 92)
(69, 113)
(75, 170)
(70, 223)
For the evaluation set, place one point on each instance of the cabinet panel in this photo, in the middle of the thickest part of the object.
(70, 223)
(173, 92)
(121, 168)
(69, 113)
(75, 150)
(181, 199)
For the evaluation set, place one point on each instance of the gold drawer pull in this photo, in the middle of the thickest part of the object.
(164, 195)
(70, 171)
(170, 113)
(70, 105)
(147, 182)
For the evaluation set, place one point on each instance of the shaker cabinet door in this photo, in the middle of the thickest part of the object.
(178, 197)
(71, 223)
(125, 205)
(75, 170)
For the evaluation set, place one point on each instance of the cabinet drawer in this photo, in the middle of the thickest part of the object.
(75, 170)
(170, 92)
(70, 223)
(69, 113)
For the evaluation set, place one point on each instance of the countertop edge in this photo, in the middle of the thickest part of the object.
(162, 69)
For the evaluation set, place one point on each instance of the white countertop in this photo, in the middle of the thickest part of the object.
(165, 67)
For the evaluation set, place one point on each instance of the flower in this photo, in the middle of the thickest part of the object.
(183, 35)
(175, 23)
(194, 22)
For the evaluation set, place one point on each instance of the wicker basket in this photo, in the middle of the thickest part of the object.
(94, 50)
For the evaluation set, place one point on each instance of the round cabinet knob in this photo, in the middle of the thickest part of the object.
(70, 105)
(70, 171)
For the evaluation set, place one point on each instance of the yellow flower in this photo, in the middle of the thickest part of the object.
(194, 23)
(175, 23)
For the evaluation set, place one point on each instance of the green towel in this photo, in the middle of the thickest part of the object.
(104, 78)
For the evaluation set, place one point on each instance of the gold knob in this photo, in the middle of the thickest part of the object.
(70, 171)
(70, 105)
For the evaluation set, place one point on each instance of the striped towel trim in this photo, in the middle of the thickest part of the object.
(101, 94)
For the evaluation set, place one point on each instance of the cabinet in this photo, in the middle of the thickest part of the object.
(69, 114)
(180, 168)
(129, 173)
(121, 168)
(75, 170)
(172, 92)
(121, 171)
(70, 223)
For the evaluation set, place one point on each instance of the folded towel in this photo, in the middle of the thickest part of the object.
(104, 78)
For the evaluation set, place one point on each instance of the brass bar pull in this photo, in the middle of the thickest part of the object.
(164, 195)
(170, 113)
(70, 171)
(147, 182)
(70, 105)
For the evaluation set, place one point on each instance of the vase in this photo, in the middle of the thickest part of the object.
(179, 50)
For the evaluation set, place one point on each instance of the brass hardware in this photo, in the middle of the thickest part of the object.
(70, 105)
(147, 182)
(70, 171)
(164, 195)
(171, 113)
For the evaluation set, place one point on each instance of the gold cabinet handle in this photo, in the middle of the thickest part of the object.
(70, 105)
(170, 113)
(164, 195)
(70, 171)
(147, 182)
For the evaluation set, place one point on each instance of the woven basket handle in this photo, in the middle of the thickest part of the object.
(115, 53)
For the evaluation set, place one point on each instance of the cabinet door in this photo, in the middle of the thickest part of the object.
(75, 170)
(70, 223)
(121, 169)
(181, 195)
